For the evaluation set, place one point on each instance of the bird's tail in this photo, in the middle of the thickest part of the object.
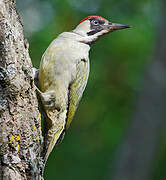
(55, 129)
(51, 139)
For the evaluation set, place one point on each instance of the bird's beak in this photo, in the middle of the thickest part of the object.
(114, 26)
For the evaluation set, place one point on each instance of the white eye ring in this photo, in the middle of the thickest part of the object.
(95, 22)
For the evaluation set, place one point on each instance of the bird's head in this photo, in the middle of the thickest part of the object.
(92, 28)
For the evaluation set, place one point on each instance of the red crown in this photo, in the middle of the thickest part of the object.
(88, 17)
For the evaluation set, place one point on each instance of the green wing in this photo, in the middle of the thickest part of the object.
(77, 88)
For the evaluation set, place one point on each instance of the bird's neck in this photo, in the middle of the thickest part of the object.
(79, 37)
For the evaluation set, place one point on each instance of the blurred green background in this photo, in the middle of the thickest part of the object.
(117, 65)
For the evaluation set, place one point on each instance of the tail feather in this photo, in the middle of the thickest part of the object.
(52, 139)
(55, 130)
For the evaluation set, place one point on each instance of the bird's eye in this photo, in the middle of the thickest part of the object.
(95, 22)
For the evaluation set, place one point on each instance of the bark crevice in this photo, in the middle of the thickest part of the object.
(20, 121)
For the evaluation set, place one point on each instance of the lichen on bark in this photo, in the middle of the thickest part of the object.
(20, 122)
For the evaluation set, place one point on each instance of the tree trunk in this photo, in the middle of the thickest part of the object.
(20, 121)
(136, 157)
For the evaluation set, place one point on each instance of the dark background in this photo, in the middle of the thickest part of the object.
(108, 138)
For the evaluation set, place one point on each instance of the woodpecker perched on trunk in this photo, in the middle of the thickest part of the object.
(64, 71)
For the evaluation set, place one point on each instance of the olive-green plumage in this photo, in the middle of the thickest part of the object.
(63, 74)
(76, 89)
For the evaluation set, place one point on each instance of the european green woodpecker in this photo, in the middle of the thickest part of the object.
(64, 71)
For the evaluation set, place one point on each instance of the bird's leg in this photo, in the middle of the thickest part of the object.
(35, 76)
(35, 73)
(48, 98)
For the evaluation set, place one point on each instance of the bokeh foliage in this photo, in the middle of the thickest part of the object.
(118, 62)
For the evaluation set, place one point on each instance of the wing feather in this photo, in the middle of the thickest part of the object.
(77, 88)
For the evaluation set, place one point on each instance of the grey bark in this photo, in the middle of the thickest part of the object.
(20, 122)
(136, 156)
